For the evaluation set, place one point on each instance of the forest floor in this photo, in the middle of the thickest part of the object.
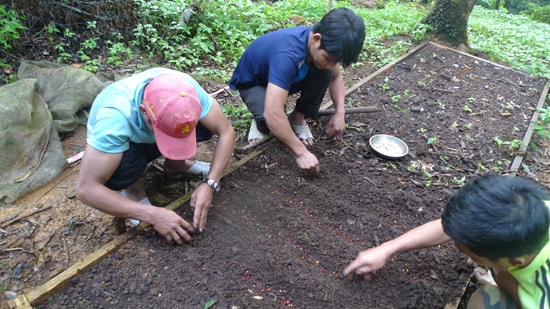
(279, 238)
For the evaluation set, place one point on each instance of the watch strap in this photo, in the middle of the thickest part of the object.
(212, 184)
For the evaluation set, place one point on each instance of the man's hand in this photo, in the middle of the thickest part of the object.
(308, 162)
(367, 263)
(170, 225)
(336, 126)
(201, 200)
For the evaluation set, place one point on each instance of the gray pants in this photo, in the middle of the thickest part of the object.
(490, 296)
(312, 92)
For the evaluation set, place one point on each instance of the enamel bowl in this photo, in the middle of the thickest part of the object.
(388, 146)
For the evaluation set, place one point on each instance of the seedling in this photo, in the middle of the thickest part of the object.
(542, 124)
(460, 181)
(513, 145)
(422, 130)
(467, 108)
(385, 86)
(481, 167)
(509, 106)
(432, 140)
(396, 98)
(469, 126)
(209, 304)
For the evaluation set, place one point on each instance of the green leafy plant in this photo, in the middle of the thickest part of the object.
(459, 181)
(542, 126)
(504, 37)
(238, 115)
(11, 28)
(396, 98)
(432, 140)
(481, 167)
(210, 303)
(513, 145)
(428, 181)
(385, 86)
(467, 108)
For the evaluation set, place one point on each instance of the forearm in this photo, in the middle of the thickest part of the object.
(112, 202)
(222, 154)
(427, 235)
(280, 127)
(277, 119)
(337, 95)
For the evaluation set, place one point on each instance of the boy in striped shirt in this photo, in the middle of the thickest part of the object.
(501, 222)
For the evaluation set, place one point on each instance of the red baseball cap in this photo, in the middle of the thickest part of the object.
(173, 106)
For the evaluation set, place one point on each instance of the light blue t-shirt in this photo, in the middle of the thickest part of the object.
(115, 120)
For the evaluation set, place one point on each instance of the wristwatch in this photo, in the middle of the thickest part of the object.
(214, 185)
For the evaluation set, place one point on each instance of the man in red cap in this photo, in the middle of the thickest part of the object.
(136, 120)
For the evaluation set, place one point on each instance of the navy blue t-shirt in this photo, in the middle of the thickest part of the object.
(278, 57)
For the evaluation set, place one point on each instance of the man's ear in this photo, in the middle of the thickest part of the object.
(317, 37)
(518, 261)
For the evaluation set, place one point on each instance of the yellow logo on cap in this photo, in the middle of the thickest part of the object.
(185, 129)
(182, 93)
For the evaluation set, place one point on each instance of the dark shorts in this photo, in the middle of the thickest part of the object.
(312, 92)
(135, 159)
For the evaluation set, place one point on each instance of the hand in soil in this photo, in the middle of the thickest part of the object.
(335, 126)
(367, 263)
(171, 226)
(308, 162)
(201, 200)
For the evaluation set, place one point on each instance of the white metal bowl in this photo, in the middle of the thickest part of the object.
(388, 146)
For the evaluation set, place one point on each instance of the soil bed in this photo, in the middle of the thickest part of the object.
(278, 238)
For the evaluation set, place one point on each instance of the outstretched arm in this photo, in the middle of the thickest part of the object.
(369, 261)
(201, 199)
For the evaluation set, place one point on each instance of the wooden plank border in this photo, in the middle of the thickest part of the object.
(529, 133)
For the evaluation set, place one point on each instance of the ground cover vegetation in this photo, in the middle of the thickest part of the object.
(206, 38)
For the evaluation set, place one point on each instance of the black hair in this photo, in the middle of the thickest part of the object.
(499, 216)
(342, 35)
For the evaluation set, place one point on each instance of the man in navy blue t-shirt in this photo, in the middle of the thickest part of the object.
(299, 59)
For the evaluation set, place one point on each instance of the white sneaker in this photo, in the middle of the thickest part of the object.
(144, 201)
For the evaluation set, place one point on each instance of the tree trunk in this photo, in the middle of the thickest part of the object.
(449, 20)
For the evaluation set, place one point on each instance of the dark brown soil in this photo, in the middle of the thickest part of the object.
(358, 201)
(278, 238)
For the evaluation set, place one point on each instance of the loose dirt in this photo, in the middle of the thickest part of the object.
(279, 238)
